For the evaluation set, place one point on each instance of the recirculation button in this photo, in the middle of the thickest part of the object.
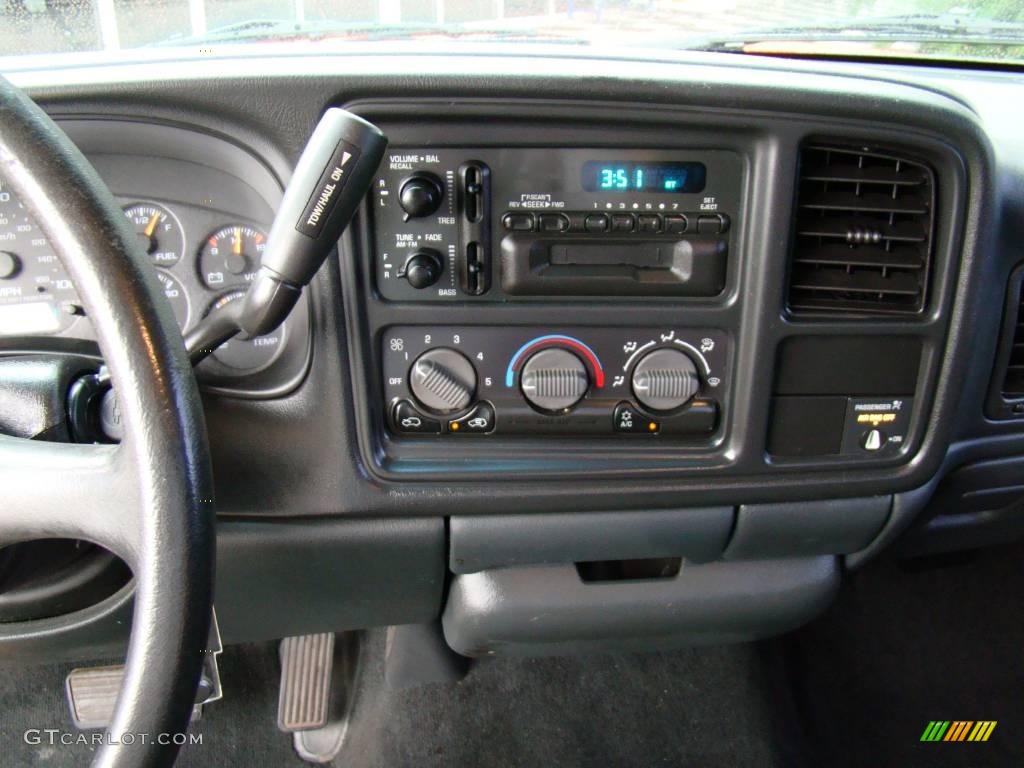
(409, 420)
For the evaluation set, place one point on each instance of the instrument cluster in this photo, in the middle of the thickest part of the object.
(204, 258)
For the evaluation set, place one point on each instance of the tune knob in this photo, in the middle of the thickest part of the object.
(423, 268)
(443, 380)
(420, 195)
(665, 379)
(554, 380)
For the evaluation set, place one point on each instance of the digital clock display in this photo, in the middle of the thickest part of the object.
(661, 178)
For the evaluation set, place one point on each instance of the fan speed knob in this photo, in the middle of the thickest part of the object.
(443, 380)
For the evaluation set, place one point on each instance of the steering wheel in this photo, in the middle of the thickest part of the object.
(150, 498)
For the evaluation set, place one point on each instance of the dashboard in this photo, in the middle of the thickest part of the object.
(742, 322)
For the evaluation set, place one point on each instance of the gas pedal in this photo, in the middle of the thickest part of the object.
(307, 662)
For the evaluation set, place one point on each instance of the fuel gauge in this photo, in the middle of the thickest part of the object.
(159, 232)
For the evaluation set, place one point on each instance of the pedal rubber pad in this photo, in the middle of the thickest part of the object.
(92, 694)
(307, 662)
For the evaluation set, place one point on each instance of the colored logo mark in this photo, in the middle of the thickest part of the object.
(958, 730)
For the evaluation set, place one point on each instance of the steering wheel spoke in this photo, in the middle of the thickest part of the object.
(62, 490)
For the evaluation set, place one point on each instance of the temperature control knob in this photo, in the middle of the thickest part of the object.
(665, 379)
(554, 380)
(420, 195)
(443, 380)
(423, 268)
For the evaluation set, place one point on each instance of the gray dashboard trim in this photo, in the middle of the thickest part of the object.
(550, 610)
(480, 543)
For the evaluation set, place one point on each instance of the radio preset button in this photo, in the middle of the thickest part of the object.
(517, 222)
(649, 223)
(553, 222)
(623, 222)
(596, 222)
(675, 224)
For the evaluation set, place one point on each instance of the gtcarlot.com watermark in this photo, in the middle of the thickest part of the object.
(55, 737)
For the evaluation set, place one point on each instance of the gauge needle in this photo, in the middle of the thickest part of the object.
(151, 225)
(236, 246)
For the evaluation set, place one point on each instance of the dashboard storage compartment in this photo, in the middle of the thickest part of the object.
(550, 610)
(798, 529)
(480, 543)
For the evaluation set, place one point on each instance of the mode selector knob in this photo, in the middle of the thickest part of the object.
(665, 379)
(443, 380)
(420, 195)
(554, 380)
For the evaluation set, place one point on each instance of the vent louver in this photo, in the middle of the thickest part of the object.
(1013, 381)
(863, 240)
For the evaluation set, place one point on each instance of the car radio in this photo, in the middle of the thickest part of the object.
(516, 224)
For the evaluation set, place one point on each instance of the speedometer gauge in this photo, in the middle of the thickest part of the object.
(177, 296)
(159, 232)
(36, 295)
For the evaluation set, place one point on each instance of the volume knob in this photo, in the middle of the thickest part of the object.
(665, 379)
(443, 380)
(420, 195)
(554, 380)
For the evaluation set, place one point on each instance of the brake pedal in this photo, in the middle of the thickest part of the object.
(92, 694)
(307, 663)
(92, 691)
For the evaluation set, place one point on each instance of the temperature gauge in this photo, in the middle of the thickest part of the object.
(248, 355)
(159, 232)
(231, 255)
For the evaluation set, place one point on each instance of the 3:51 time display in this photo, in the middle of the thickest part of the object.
(670, 178)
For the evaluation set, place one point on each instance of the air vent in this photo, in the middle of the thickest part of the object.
(1013, 380)
(863, 233)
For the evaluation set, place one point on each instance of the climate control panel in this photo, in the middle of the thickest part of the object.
(669, 383)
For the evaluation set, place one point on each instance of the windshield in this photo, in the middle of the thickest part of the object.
(978, 30)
